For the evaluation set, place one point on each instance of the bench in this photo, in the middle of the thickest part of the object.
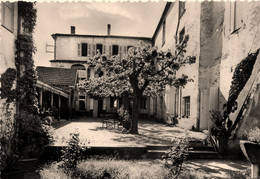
(110, 120)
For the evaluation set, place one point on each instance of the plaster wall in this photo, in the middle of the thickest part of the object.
(191, 21)
(7, 49)
(7, 60)
(67, 46)
(237, 45)
(211, 26)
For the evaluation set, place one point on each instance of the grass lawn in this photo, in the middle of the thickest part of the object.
(148, 169)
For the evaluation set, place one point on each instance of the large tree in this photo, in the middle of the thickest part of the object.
(142, 71)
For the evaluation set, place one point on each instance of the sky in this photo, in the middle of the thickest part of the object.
(91, 18)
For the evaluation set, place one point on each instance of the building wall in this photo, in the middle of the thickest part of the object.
(67, 46)
(7, 60)
(67, 49)
(211, 25)
(7, 49)
(191, 21)
(236, 46)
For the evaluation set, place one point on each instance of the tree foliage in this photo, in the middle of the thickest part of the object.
(142, 71)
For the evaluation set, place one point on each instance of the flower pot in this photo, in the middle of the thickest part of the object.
(251, 151)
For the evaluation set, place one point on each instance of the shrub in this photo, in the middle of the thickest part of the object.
(33, 134)
(53, 171)
(254, 135)
(72, 154)
(176, 155)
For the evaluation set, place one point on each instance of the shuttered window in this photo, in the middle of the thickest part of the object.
(236, 15)
(100, 48)
(79, 49)
(125, 50)
(120, 51)
(93, 50)
(110, 50)
(7, 13)
(104, 49)
(89, 50)
(115, 50)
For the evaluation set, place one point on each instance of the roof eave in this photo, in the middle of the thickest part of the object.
(165, 11)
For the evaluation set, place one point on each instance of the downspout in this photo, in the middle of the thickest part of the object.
(18, 58)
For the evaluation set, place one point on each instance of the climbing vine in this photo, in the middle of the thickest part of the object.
(29, 14)
(25, 49)
(222, 125)
(7, 81)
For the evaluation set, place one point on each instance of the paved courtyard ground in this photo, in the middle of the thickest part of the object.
(93, 134)
(150, 133)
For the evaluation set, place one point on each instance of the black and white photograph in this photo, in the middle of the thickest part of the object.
(129, 89)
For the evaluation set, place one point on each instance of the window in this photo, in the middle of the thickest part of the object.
(82, 97)
(181, 35)
(88, 73)
(83, 49)
(163, 33)
(236, 15)
(143, 103)
(7, 12)
(100, 74)
(100, 48)
(113, 102)
(115, 50)
(82, 105)
(128, 47)
(186, 109)
(181, 8)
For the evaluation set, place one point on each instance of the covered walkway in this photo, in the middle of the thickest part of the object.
(52, 100)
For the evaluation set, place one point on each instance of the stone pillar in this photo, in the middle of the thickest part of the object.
(40, 100)
(255, 171)
(59, 105)
(69, 104)
(51, 99)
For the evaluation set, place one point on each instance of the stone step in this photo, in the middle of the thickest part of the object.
(166, 147)
(156, 154)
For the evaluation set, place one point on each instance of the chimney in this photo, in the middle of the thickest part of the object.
(72, 30)
(108, 29)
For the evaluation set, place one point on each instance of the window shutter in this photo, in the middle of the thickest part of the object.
(79, 49)
(89, 49)
(125, 50)
(110, 50)
(238, 14)
(232, 16)
(93, 50)
(120, 52)
(104, 49)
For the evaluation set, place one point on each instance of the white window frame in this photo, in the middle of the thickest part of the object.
(186, 106)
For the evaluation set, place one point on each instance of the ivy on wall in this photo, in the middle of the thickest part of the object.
(25, 49)
(7, 81)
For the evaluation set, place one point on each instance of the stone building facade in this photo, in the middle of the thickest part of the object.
(73, 50)
(8, 35)
(221, 34)
(200, 21)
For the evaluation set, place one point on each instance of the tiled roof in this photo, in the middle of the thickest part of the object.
(57, 76)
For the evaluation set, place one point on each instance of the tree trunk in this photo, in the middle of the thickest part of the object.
(135, 114)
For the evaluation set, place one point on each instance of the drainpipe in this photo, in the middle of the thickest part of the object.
(18, 59)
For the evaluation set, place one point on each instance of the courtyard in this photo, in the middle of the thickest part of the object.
(92, 133)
